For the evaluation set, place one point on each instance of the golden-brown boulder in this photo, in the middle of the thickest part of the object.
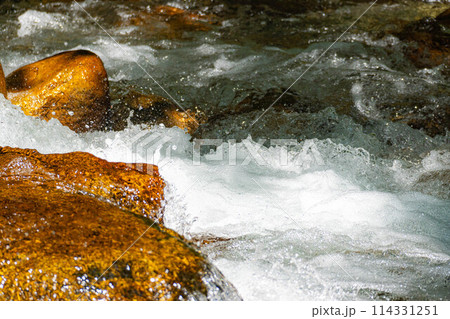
(2, 82)
(71, 86)
(63, 246)
(60, 240)
(153, 109)
(82, 173)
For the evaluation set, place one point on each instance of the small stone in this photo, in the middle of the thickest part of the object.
(153, 109)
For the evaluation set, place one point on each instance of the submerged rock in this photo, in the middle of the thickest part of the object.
(60, 241)
(167, 21)
(428, 112)
(71, 86)
(435, 183)
(235, 121)
(284, 6)
(429, 41)
(277, 98)
(152, 109)
(82, 173)
(2, 82)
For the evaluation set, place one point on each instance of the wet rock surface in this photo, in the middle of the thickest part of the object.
(59, 239)
(151, 109)
(428, 41)
(140, 192)
(59, 246)
(435, 183)
(2, 81)
(71, 87)
(166, 21)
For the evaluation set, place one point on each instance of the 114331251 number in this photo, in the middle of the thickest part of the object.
(408, 310)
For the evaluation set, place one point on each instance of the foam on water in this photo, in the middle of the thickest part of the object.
(304, 223)
(224, 66)
(19, 130)
(117, 56)
(33, 21)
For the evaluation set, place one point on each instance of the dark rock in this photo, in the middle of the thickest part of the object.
(428, 41)
(152, 109)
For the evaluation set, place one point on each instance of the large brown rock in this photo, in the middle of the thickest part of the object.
(82, 173)
(2, 82)
(71, 87)
(57, 243)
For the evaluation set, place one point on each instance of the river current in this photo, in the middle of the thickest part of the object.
(328, 200)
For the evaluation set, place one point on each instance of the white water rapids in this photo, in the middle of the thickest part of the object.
(299, 232)
(326, 219)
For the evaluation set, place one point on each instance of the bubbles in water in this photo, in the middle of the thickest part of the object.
(340, 214)
(33, 21)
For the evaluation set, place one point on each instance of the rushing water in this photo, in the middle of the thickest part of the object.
(355, 206)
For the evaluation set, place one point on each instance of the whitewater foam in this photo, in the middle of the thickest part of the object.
(280, 230)
(33, 21)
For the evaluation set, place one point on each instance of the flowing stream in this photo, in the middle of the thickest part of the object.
(353, 205)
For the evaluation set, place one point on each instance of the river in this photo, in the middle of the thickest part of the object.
(327, 199)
